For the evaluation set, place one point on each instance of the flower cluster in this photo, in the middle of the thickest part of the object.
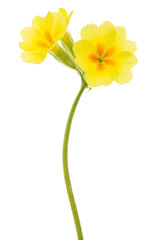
(101, 56)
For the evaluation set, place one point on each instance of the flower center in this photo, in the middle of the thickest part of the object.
(102, 58)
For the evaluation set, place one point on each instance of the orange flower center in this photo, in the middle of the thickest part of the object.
(102, 57)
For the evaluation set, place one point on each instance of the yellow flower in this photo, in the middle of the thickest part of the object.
(105, 55)
(43, 36)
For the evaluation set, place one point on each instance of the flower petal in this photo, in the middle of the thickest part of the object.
(29, 34)
(121, 43)
(32, 57)
(82, 50)
(37, 46)
(70, 15)
(127, 45)
(38, 23)
(59, 28)
(96, 78)
(124, 76)
(48, 21)
(107, 34)
(62, 11)
(27, 46)
(121, 33)
(90, 33)
(125, 58)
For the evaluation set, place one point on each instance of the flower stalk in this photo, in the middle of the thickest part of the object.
(65, 164)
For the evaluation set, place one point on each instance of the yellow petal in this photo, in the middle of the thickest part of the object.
(37, 46)
(121, 33)
(70, 14)
(125, 58)
(107, 34)
(96, 78)
(122, 44)
(82, 50)
(32, 57)
(27, 46)
(127, 45)
(62, 11)
(124, 76)
(34, 40)
(38, 23)
(90, 33)
(48, 21)
(54, 14)
(29, 34)
(59, 28)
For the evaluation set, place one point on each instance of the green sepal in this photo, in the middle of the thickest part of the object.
(68, 42)
(63, 56)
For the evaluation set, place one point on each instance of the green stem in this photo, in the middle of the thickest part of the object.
(65, 164)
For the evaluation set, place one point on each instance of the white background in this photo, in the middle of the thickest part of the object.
(114, 154)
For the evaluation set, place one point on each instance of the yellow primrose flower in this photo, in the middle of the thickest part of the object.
(43, 36)
(105, 55)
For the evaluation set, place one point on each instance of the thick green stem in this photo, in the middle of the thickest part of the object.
(65, 165)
